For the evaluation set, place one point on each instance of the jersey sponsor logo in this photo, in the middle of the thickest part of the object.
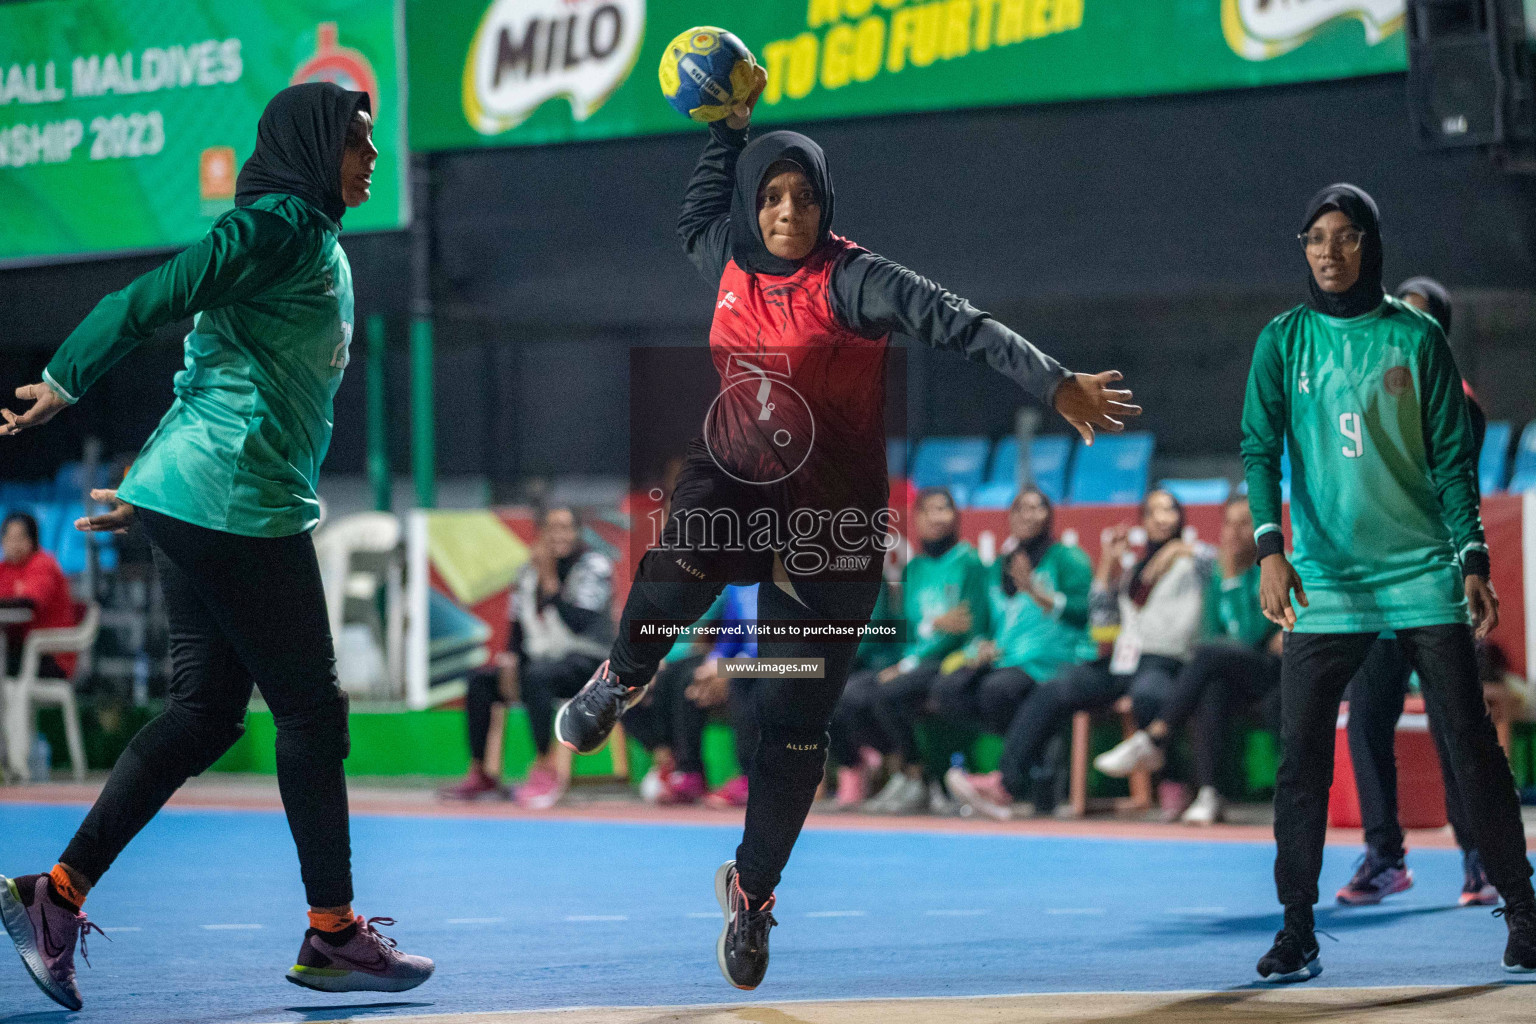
(728, 301)
(1266, 29)
(527, 52)
(1397, 380)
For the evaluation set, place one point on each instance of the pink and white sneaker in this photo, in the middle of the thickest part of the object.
(543, 790)
(45, 935)
(359, 958)
(852, 789)
(682, 788)
(732, 794)
(984, 794)
(473, 786)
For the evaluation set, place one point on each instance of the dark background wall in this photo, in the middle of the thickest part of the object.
(1155, 236)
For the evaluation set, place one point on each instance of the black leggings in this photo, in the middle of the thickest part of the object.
(1375, 698)
(1219, 679)
(540, 682)
(243, 611)
(980, 695)
(1315, 669)
(677, 583)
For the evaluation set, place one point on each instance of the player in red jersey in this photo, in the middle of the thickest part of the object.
(788, 485)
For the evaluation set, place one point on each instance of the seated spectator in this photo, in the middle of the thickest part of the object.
(1238, 666)
(31, 576)
(1158, 604)
(670, 720)
(1038, 592)
(851, 784)
(562, 624)
(944, 602)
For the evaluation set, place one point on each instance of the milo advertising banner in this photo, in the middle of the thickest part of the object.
(522, 72)
(124, 124)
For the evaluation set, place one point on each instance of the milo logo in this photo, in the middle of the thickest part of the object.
(1264, 29)
(527, 52)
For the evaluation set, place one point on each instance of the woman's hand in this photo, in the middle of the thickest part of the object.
(986, 653)
(1483, 603)
(1087, 401)
(1276, 581)
(956, 620)
(1112, 554)
(46, 405)
(741, 114)
(114, 520)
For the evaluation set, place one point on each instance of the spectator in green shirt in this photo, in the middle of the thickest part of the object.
(1237, 666)
(944, 601)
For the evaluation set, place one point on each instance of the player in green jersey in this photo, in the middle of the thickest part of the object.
(225, 489)
(1387, 535)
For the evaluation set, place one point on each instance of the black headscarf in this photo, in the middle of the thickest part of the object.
(1036, 546)
(1434, 293)
(1365, 294)
(1137, 590)
(747, 246)
(936, 548)
(299, 142)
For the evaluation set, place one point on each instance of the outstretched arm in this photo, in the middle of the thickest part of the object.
(237, 258)
(873, 296)
(704, 225)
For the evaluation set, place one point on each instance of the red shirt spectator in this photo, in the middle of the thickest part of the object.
(31, 574)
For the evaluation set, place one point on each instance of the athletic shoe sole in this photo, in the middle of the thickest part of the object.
(723, 895)
(1488, 897)
(1313, 968)
(1352, 899)
(1517, 969)
(14, 913)
(333, 979)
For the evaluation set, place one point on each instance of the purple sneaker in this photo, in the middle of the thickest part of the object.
(45, 935)
(1375, 879)
(359, 958)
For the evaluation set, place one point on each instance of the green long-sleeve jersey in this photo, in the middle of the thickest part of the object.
(240, 449)
(1041, 642)
(1232, 610)
(1384, 499)
(932, 586)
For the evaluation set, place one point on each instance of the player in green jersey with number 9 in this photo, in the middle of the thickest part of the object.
(1387, 534)
(225, 489)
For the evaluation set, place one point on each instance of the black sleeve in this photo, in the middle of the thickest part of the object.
(576, 618)
(873, 296)
(704, 225)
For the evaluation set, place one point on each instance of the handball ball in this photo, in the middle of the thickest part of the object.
(705, 71)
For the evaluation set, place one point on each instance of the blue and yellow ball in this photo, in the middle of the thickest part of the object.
(705, 71)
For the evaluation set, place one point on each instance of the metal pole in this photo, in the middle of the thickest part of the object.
(423, 462)
(378, 423)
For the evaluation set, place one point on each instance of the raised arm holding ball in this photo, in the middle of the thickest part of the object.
(804, 318)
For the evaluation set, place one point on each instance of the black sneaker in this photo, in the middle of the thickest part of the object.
(1293, 957)
(584, 722)
(743, 947)
(1520, 951)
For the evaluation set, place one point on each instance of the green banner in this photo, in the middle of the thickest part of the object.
(123, 124)
(522, 72)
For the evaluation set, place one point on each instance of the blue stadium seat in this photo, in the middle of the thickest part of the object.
(1047, 458)
(1493, 462)
(1207, 491)
(992, 494)
(950, 462)
(1113, 470)
(1524, 478)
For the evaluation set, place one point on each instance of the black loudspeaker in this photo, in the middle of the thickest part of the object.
(1468, 72)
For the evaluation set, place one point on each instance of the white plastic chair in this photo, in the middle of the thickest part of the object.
(27, 690)
(375, 534)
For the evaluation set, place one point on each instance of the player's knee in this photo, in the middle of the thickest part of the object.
(318, 728)
(205, 737)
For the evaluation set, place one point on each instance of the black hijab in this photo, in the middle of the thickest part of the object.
(937, 548)
(1037, 546)
(1138, 591)
(299, 142)
(747, 246)
(1434, 293)
(1365, 294)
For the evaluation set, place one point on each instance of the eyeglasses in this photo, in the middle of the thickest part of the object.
(1349, 241)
